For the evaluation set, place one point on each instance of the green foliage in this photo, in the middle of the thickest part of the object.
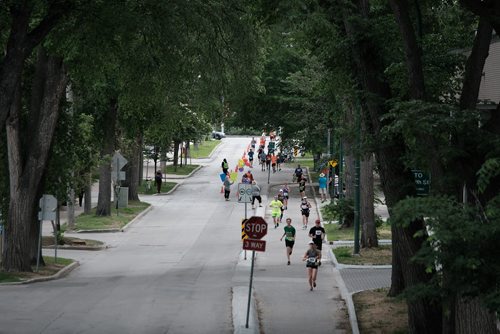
(462, 244)
(342, 208)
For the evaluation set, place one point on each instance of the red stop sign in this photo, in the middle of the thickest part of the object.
(256, 227)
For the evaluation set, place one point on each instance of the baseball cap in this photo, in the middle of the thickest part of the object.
(311, 242)
(317, 221)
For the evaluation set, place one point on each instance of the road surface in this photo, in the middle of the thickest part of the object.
(171, 272)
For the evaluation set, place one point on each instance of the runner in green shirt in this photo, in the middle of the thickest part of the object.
(289, 236)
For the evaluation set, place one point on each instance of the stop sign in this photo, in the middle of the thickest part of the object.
(256, 227)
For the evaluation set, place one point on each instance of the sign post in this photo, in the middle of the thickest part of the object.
(118, 162)
(48, 206)
(255, 229)
(245, 196)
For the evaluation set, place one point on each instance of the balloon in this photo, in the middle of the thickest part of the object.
(241, 169)
(222, 177)
(247, 164)
(233, 177)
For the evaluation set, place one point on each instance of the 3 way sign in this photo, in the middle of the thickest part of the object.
(255, 229)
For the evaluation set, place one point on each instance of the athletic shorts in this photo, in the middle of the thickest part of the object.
(289, 243)
(311, 265)
(322, 191)
(301, 189)
(305, 213)
(276, 214)
(319, 244)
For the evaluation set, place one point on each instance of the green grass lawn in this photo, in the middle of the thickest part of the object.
(334, 233)
(205, 148)
(145, 190)
(303, 162)
(49, 269)
(367, 256)
(184, 170)
(93, 222)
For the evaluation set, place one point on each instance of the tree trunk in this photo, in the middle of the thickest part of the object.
(397, 183)
(133, 169)
(108, 147)
(472, 317)
(369, 231)
(186, 153)
(176, 153)
(87, 206)
(27, 163)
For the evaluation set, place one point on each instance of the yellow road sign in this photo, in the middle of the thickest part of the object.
(243, 234)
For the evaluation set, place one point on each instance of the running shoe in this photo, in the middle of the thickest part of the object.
(288, 263)
(314, 284)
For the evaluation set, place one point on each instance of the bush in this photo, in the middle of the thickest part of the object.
(342, 209)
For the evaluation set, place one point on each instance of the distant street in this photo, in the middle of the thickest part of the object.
(174, 270)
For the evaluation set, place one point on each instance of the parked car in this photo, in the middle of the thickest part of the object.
(218, 135)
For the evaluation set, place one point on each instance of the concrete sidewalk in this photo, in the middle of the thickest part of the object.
(284, 302)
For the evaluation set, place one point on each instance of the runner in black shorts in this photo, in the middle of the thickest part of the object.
(289, 238)
(317, 234)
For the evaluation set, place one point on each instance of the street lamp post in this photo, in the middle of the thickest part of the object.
(357, 176)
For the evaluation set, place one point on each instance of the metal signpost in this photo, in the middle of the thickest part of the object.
(245, 196)
(118, 162)
(48, 207)
(255, 229)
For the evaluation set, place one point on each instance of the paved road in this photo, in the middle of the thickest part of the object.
(172, 272)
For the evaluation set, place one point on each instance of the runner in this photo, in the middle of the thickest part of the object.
(250, 176)
(274, 160)
(250, 157)
(311, 257)
(281, 198)
(322, 186)
(302, 186)
(227, 187)
(286, 195)
(256, 194)
(245, 179)
(317, 233)
(305, 208)
(275, 206)
(225, 166)
(262, 158)
(297, 174)
(268, 161)
(289, 238)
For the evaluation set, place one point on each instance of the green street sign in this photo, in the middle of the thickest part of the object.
(422, 182)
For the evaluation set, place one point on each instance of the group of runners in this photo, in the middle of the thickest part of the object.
(279, 204)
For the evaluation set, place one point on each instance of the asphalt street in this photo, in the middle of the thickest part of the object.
(173, 272)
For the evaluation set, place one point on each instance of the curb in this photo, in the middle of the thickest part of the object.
(139, 216)
(356, 266)
(239, 300)
(60, 274)
(90, 248)
(106, 230)
(344, 293)
(173, 189)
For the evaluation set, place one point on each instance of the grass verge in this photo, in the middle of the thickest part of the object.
(367, 256)
(347, 233)
(93, 222)
(205, 148)
(184, 170)
(49, 269)
(148, 187)
(378, 313)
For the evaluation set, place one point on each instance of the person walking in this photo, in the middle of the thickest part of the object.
(305, 208)
(275, 206)
(227, 187)
(250, 176)
(225, 166)
(322, 180)
(311, 257)
(302, 186)
(158, 181)
(256, 194)
(289, 238)
(253, 143)
(317, 234)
